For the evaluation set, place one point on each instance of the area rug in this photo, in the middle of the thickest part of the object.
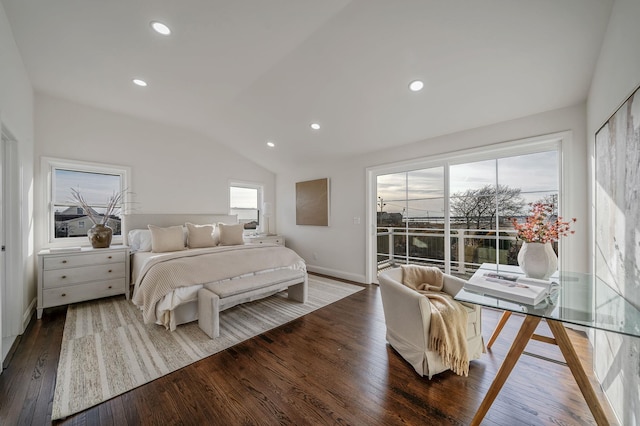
(108, 350)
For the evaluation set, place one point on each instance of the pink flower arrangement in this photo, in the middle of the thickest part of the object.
(540, 227)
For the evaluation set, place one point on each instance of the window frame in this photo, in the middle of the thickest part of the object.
(48, 167)
(557, 141)
(260, 201)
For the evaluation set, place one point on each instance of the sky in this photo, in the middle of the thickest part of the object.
(96, 188)
(535, 174)
(244, 197)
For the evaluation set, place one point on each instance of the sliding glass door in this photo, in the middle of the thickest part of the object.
(457, 215)
(410, 217)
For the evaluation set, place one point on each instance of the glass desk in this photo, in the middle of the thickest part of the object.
(581, 299)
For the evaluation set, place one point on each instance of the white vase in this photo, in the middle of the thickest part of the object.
(537, 260)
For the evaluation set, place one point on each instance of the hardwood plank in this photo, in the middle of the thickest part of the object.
(27, 384)
(44, 375)
(573, 361)
(519, 343)
(496, 332)
(331, 366)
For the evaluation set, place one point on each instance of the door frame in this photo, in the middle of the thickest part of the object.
(11, 315)
(560, 141)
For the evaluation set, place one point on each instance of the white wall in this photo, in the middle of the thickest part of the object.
(339, 249)
(617, 74)
(16, 114)
(173, 170)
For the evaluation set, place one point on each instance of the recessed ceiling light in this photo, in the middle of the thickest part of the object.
(416, 85)
(139, 82)
(270, 144)
(315, 126)
(160, 28)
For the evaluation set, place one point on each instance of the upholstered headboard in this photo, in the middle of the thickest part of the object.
(141, 221)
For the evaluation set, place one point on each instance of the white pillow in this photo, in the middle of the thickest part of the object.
(200, 236)
(166, 239)
(139, 240)
(231, 235)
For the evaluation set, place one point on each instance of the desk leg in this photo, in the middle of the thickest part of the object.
(526, 331)
(570, 356)
(503, 320)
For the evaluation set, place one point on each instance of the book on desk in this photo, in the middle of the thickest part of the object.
(515, 288)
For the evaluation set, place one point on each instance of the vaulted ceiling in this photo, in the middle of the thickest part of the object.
(244, 72)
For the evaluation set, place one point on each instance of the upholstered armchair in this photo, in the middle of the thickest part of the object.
(408, 314)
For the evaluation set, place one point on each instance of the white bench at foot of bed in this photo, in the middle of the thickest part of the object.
(216, 297)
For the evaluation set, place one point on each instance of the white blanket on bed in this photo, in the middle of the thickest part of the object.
(164, 273)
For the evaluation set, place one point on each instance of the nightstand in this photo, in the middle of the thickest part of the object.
(75, 276)
(265, 239)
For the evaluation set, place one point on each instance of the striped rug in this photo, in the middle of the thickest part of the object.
(107, 349)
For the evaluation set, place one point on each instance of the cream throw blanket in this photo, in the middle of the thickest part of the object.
(448, 326)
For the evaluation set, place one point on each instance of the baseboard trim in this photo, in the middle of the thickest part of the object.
(28, 313)
(337, 274)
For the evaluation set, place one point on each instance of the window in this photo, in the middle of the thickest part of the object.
(68, 222)
(410, 216)
(244, 199)
(455, 212)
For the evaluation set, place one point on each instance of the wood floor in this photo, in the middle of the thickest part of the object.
(332, 366)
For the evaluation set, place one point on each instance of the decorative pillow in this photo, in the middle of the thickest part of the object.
(231, 235)
(200, 236)
(166, 239)
(139, 240)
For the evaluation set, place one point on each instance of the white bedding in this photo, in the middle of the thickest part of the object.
(172, 309)
(167, 305)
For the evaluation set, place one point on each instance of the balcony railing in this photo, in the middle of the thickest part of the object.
(468, 248)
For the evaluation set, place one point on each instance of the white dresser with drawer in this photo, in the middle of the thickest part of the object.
(265, 239)
(75, 276)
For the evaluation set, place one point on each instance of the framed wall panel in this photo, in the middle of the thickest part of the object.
(617, 247)
(312, 202)
(617, 206)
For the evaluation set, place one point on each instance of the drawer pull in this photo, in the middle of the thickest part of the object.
(64, 261)
(110, 257)
(64, 294)
(110, 286)
(64, 276)
(109, 270)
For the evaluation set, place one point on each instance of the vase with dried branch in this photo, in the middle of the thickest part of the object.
(100, 234)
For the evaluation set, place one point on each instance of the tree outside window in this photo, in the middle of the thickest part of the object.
(471, 225)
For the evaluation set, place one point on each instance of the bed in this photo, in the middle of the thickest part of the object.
(167, 277)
